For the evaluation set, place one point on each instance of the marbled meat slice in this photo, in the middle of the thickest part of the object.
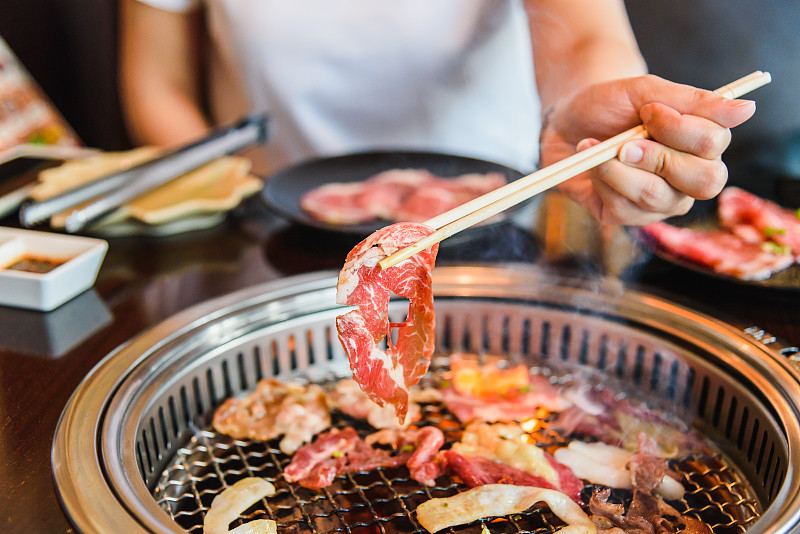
(386, 375)
(477, 471)
(477, 183)
(427, 202)
(721, 251)
(513, 406)
(758, 220)
(412, 195)
(336, 203)
(507, 444)
(275, 408)
(348, 398)
(385, 192)
(315, 465)
(439, 195)
(423, 443)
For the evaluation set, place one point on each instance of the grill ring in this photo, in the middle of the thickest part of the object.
(138, 406)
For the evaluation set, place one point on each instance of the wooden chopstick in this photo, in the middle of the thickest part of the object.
(492, 203)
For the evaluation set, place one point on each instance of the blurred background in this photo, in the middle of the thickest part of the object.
(69, 48)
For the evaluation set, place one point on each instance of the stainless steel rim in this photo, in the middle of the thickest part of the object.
(95, 467)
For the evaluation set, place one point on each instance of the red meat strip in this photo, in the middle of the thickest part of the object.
(315, 465)
(441, 195)
(427, 202)
(425, 444)
(477, 471)
(758, 220)
(475, 183)
(570, 484)
(721, 251)
(385, 376)
(385, 192)
(412, 195)
(336, 203)
(519, 407)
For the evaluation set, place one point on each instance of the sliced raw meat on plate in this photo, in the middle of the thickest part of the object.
(749, 215)
(721, 251)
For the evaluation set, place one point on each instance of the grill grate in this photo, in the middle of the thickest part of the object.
(154, 398)
(383, 500)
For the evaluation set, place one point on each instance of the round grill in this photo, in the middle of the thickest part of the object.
(134, 449)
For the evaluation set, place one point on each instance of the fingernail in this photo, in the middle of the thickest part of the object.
(740, 103)
(631, 153)
(583, 144)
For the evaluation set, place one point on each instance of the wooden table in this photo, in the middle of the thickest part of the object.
(144, 280)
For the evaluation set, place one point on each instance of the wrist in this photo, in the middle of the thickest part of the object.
(545, 132)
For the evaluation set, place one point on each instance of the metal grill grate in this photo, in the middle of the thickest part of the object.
(383, 500)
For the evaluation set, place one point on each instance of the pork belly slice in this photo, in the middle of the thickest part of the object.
(275, 409)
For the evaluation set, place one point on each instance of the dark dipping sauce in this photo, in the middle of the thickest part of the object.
(31, 264)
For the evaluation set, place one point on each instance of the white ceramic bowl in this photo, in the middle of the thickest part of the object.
(82, 258)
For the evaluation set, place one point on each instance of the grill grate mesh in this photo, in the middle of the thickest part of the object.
(383, 500)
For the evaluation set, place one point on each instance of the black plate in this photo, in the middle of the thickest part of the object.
(282, 191)
(703, 217)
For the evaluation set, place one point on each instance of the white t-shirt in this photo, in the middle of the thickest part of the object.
(341, 76)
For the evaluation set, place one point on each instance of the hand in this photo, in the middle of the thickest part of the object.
(653, 178)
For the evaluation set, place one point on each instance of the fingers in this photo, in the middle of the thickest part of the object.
(635, 194)
(688, 174)
(687, 154)
(658, 178)
(690, 100)
(617, 208)
(687, 133)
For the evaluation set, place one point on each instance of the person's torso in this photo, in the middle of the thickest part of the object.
(452, 75)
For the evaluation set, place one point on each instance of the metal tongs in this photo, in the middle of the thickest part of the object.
(115, 190)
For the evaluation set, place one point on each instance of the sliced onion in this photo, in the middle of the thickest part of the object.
(259, 526)
(229, 505)
(605, 464)
(493, 500)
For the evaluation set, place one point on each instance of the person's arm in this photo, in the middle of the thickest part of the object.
(592, 87)
(160, 83)
(580, 42)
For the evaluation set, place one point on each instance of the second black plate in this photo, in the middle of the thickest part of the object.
(282, 191)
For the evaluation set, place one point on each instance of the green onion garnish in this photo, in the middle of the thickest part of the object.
(774, 231)
(775, 248)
